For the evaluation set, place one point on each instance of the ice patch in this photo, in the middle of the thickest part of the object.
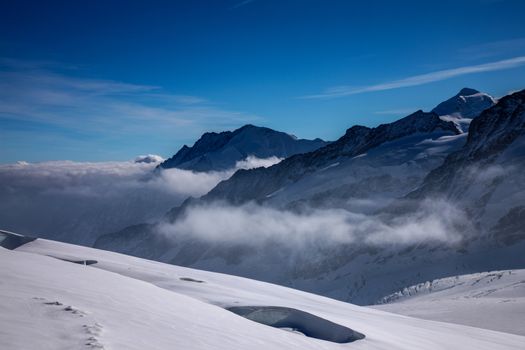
(275, 192)
(298, 321)
(330, 166)
(359, 156)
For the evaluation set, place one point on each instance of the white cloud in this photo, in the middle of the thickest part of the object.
(422, 79)
(494, 48)
(253, 162)
(241, 3)
(43, 93)
(76, 201)
(486, 175)
(105, 179)
(190, 183)
(148, 158)
(252, 224)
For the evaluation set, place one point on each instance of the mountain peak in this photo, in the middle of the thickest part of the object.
(355, 129)
(419, 121)
(221, 151)
(467, 92)
(467, 104)
(249, 126)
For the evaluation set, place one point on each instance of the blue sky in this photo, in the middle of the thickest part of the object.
(108, 80)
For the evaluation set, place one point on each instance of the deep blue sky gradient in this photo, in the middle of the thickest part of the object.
(227, 63)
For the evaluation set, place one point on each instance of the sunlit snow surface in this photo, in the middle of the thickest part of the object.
(123, 302)
(494, 300)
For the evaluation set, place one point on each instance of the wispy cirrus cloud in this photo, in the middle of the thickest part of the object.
(341, 91)
(241, 3)
(506, 47)
(397, 111)
(45, 93)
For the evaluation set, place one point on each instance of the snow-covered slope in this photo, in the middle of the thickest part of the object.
(121, 302)
(220, 151)
(494, 300)
(464, 106)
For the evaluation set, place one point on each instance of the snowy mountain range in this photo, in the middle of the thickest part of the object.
(378, 182)
(418, 143)
(414, 133)
(405, 217)
(221, 151)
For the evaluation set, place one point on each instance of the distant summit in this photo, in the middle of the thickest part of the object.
(468, 91)
(467, 103)
(148, 158)
(221, 151)
(461, 108)
(493, 132)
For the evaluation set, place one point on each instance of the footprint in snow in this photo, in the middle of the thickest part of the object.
(94, 331)
(75, 311)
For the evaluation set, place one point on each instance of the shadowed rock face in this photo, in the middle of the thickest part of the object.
(509, 229)
(489, 135)
(299, 321)
(221, 151)
(257, 184)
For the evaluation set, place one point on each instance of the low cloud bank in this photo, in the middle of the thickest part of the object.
(104, 179)
(77, 201)
(149, 158)
(253, 225)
